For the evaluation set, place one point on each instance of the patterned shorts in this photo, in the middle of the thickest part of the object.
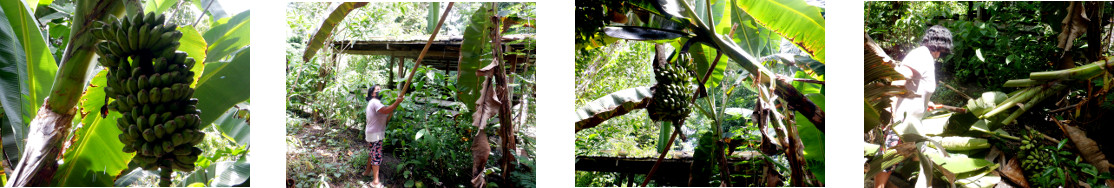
(376, 152)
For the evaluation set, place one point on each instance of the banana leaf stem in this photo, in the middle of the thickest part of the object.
(1033, 102)
(1022, 83)
(995, 134)
(1077, 73)
(1010, 102)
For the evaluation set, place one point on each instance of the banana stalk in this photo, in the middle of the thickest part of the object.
(51, 126)
(1033, 102)
(1077, 73)
(1022, 83)
(1010, 102)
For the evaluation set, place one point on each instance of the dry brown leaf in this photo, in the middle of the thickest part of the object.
(1074, 25)
(487, 70)
(481, 150)
(907, 149)
(1012, 170)
(486, 106)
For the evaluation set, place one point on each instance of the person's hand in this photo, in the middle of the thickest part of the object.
(400, 98)
(932, 107)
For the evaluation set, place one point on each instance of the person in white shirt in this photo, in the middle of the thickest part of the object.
(919, 68)
(376, 125)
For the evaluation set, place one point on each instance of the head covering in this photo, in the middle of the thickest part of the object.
(938, 39)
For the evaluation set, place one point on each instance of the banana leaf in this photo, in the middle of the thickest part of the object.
(211, 7)
(336, 15)
(612, 105)
(223, 85)
(158, 5)
(194, 45)
(475, 53)
(229, 35)
(233, 123)
(28, 72)
(793, 19)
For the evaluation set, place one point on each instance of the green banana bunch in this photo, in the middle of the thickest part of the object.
(673, 90)
(1034, 159)
(150, 82)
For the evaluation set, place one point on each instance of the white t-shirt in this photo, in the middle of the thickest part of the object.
(376, 122)
(922, 82)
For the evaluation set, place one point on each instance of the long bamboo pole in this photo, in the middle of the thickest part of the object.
(425, 49)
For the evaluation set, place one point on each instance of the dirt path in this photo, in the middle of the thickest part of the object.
(332, 153)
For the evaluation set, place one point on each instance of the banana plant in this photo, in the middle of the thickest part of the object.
(70, 91)
(710, 30)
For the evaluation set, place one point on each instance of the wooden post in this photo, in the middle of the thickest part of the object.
(391, 72)
(401, 69)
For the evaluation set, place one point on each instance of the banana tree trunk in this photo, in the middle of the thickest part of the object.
(51, 125)
(506, 125)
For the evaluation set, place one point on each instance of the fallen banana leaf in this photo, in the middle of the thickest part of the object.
(883, 161)
(979, 182)
(960, 123)
(957, 163)
(986, 102)
(959, 143)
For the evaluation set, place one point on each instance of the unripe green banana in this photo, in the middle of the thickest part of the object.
(149, 82)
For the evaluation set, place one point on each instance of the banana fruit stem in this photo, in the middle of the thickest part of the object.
(165, 175)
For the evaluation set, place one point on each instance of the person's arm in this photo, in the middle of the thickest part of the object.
(392, 107)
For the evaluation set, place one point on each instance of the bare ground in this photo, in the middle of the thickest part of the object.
(332, 152)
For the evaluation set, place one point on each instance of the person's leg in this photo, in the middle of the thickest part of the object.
(375, 171)
(370, 158)
(367, 170)
(377, 157)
